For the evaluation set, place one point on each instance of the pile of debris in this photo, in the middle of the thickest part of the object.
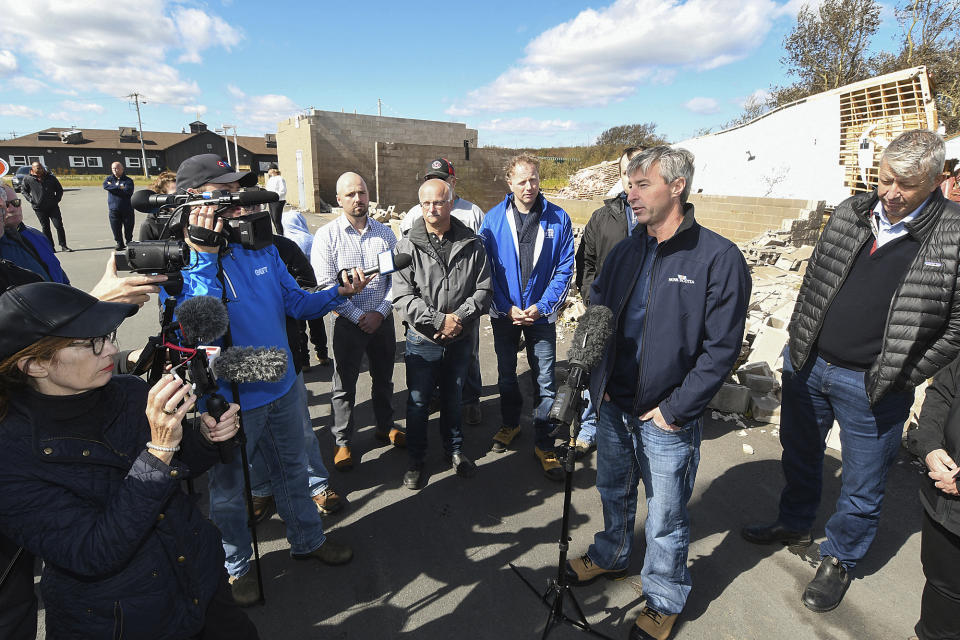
(384, 215)
(592, 182)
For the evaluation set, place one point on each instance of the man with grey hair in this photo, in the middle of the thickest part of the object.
(878, 313)
(679, 295)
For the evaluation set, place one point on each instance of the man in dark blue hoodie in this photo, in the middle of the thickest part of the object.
(119, 187)
(679, 296)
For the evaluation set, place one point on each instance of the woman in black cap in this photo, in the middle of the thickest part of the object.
(90, 470)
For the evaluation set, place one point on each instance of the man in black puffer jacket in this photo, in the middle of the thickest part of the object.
(878, 312)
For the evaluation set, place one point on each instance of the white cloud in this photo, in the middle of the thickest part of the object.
(760, 96)
(27, 84)
(529, 125)
(702, 105)
(19, 111)
(602, 55)
(8, 62)
(261, 112)
(61, 116)
(199, 31)
(110, 47)
(71, 105)
(195, 109)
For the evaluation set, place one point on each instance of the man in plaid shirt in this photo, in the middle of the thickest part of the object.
(364, 323)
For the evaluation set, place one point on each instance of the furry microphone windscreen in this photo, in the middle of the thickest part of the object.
(251, 364)
(202, 319)
(591, 336)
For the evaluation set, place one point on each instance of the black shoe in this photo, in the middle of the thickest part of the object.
(462, 465)
(776, 532)
(120, 247)
(411, 479)
(826, 590)
(64, 247)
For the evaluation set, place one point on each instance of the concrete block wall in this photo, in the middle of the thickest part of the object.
(339, 142)
(401, 167)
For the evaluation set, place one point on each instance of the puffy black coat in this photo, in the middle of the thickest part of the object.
(606, 227)
(922, 331)
(939, 428)
(127, 554)
(42, 194)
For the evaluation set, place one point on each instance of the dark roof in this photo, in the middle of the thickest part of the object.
(110, 139)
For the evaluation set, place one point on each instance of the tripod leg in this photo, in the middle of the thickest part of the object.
(242, 439)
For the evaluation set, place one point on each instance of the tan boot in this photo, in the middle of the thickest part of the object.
(653, 625)
(582, 570)
(342, 459)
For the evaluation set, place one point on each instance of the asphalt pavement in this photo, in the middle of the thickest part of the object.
(434, 563)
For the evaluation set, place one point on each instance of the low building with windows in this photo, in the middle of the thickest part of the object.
(92, 151)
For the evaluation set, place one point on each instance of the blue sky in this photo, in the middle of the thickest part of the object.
(531, 73)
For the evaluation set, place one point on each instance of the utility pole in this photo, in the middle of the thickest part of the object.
(223, 130)
(143, 153)
(379, 107)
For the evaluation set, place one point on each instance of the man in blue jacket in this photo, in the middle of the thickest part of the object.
(119, 187)
(679, 296)
(260, 294)
(530, 246)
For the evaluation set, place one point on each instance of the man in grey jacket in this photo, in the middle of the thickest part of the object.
(440, 296)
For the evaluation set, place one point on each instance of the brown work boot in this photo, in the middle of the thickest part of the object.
(503, 438)
(394, 436)
(245, 590)
(653, 625)
(549, 463)
(263, 508)
(342, 459)
(329, 552)
(582, 570)
(328, 501)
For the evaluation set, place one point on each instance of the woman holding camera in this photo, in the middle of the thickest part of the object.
(90, 467)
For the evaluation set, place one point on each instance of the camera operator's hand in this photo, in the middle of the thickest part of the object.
(205, 218)
(132, 290)
(167, 404)
(225, 429)
(348, 288)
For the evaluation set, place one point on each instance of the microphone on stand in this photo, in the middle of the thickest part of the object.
(586, 350)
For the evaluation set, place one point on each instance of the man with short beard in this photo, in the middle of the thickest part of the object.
(44, 192)
(364, 323)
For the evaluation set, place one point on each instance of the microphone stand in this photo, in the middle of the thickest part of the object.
(559, 590)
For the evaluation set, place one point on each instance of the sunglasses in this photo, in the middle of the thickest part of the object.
(13, 203)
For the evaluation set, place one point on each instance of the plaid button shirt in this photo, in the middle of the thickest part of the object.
(337, 245)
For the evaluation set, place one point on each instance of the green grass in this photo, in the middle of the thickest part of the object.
(84, 180)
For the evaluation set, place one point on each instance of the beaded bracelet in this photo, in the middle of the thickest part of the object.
(157, 447)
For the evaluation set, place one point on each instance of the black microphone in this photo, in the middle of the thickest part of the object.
(400, 261)
(251, 364)
(147, 201)
(202, 319)
(586, 350)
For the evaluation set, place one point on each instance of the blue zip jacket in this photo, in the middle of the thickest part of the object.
(260, 295)
(119, 192)
(696, 311)
(553, 260)
(44, 249)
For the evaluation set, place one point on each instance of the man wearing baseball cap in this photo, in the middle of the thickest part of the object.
(259, 294)
(472, 216)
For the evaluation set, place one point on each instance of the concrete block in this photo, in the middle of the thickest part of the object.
(768, 345)
(765, 408)
(758, 383)
(757, 368)
(732, 398)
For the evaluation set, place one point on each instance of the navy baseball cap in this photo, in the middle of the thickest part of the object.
(196, 171)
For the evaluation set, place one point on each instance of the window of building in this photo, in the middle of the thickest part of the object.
(152, 162)
(132, 162)
(32, 159)
(94, 161)
(18, 161)
(77, 161)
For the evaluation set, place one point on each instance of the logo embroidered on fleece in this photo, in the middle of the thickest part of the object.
(261, 271)
(682, 279)
(932, 263)
(550, 232)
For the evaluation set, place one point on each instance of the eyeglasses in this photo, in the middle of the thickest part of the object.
(96, 344)
(13, 203)
(436, 204)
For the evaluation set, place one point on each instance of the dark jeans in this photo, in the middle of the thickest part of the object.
(122, 219)
(276, 214)
(429, 363)
(870, 440)
(318, 336)
(541, 355)
(473, 385)
(18, 603)
(349, 344)
(940, 604)
(46, 216)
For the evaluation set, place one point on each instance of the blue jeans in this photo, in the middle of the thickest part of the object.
(588, 421)
(870, 439)
(318, 478)
(428, 364)
(629, 450)
(541, 355)
(277, 430)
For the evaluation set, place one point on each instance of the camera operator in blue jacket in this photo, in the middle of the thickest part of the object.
(259, 294)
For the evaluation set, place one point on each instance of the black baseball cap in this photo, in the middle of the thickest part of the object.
(196, 171)
(41, 309)
(439, 168)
